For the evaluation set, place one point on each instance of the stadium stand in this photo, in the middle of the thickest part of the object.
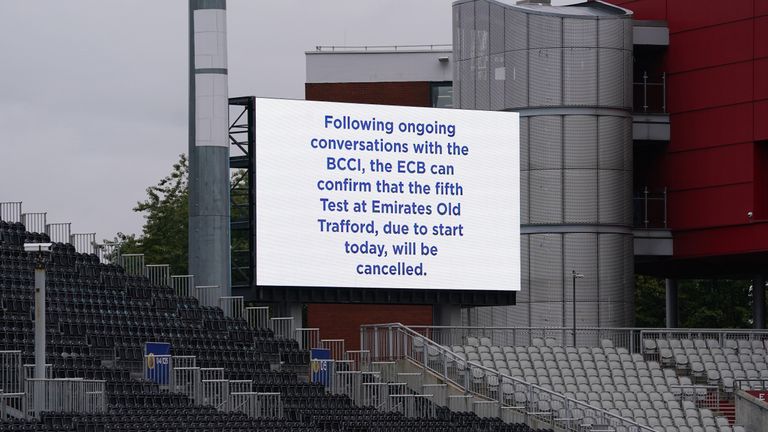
(99, 317)
(669, 380)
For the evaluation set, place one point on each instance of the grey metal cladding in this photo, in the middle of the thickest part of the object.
(524, 142)
(547, 314)
(611, 263)
(545, 142)
(482, 85)
(482, 27)
(580, 134)
(498, 80)
(611, 142)
(457, 48)
(467, 34)
(545, 80)
(611, 72)
(516, 82)
(546, 267)
(516, 30)
(467, 78)
(579, 33)
(544, 31)
(525, 279)
(496, 33)
(524, 197)
(546, 196)
(580, 196)
(579, 80)
(580, 252)
(611, 33)
(611, 204)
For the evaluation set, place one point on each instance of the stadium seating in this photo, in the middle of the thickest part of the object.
(662, 395)
(98, 319)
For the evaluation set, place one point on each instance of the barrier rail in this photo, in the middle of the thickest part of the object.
(257, 405)
(158, 274)
(308, 338)
(650, 209)
(283, 327)
(347, 48)
(233, 306)
(108, 252)
(34, 222)
(11, 372)
(360, 358)
(183, 285)
(58, 232)
(10, 211)
(84, 242)
(65, 395)
(257, 316)
(215, 393)
(650, 95)
(133, 264)
(207, 295)
(29, 371)
(412, 405)
(336, 346)
(396, 342)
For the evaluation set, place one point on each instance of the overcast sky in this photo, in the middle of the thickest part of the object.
(93, 93)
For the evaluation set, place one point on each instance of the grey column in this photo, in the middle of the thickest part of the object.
(40, 322)
(758, 302)
(671, 307)
(209, 237)
(445, 314)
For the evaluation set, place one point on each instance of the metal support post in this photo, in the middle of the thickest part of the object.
(758, 302)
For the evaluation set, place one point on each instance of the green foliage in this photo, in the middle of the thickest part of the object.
(166, 209)
(650, 298)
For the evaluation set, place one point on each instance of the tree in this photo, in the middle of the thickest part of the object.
(164, 236)
(649, 301)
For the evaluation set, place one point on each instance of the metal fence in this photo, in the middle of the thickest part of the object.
(11, 372)
(158, 274)
(59, 232)
(34, 222)
(308, 338)
(508, 395)
(257, 405)
(183, 285)
(133, 264)
(10, 211)
(336, 346)
(65, 395)
(208, 295)
(233, 306)
(257, 316)
(84, 242)
(108, 252)
(283, 327)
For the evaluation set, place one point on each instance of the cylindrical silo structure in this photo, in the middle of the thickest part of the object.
(568, 71)
(209, 238)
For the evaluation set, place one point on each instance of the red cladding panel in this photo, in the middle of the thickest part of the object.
(709, 167)
(722, 241)
(761, 79)
(761, 35)
(343, 321)
(712, 87)
(645, 9)
(710, 207)
(706, 128)
(710, 46)
(690, 14)
(761, 121)
(761, 7)
(412, 93)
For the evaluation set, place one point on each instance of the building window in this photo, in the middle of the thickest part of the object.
(442, 94)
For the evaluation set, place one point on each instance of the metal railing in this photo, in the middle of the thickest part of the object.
(183, 285)
(158, 274)
(537, 405)
(108, 252)
(65, 395)
(283, 327)
(336, 346)
(84, 242)
(10, 211)
(11, 372)
(257, 405)
(257, 317)
(133, 264)
(208, 295)
(650, 94)
(380, 48)
(34, 222)
(59, 232)
(308, 338)
(650, 209)
(233, 306)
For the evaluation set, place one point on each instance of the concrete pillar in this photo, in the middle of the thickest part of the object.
(40, 322)
(449, 315)
(295, 310)
(758, 302)
(671, 307)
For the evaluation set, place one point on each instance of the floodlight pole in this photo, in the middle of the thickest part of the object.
(574, 276)
(40, 317)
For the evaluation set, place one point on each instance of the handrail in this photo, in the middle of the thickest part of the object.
(429, 344)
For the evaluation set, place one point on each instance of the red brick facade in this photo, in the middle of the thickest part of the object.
(381, 93)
